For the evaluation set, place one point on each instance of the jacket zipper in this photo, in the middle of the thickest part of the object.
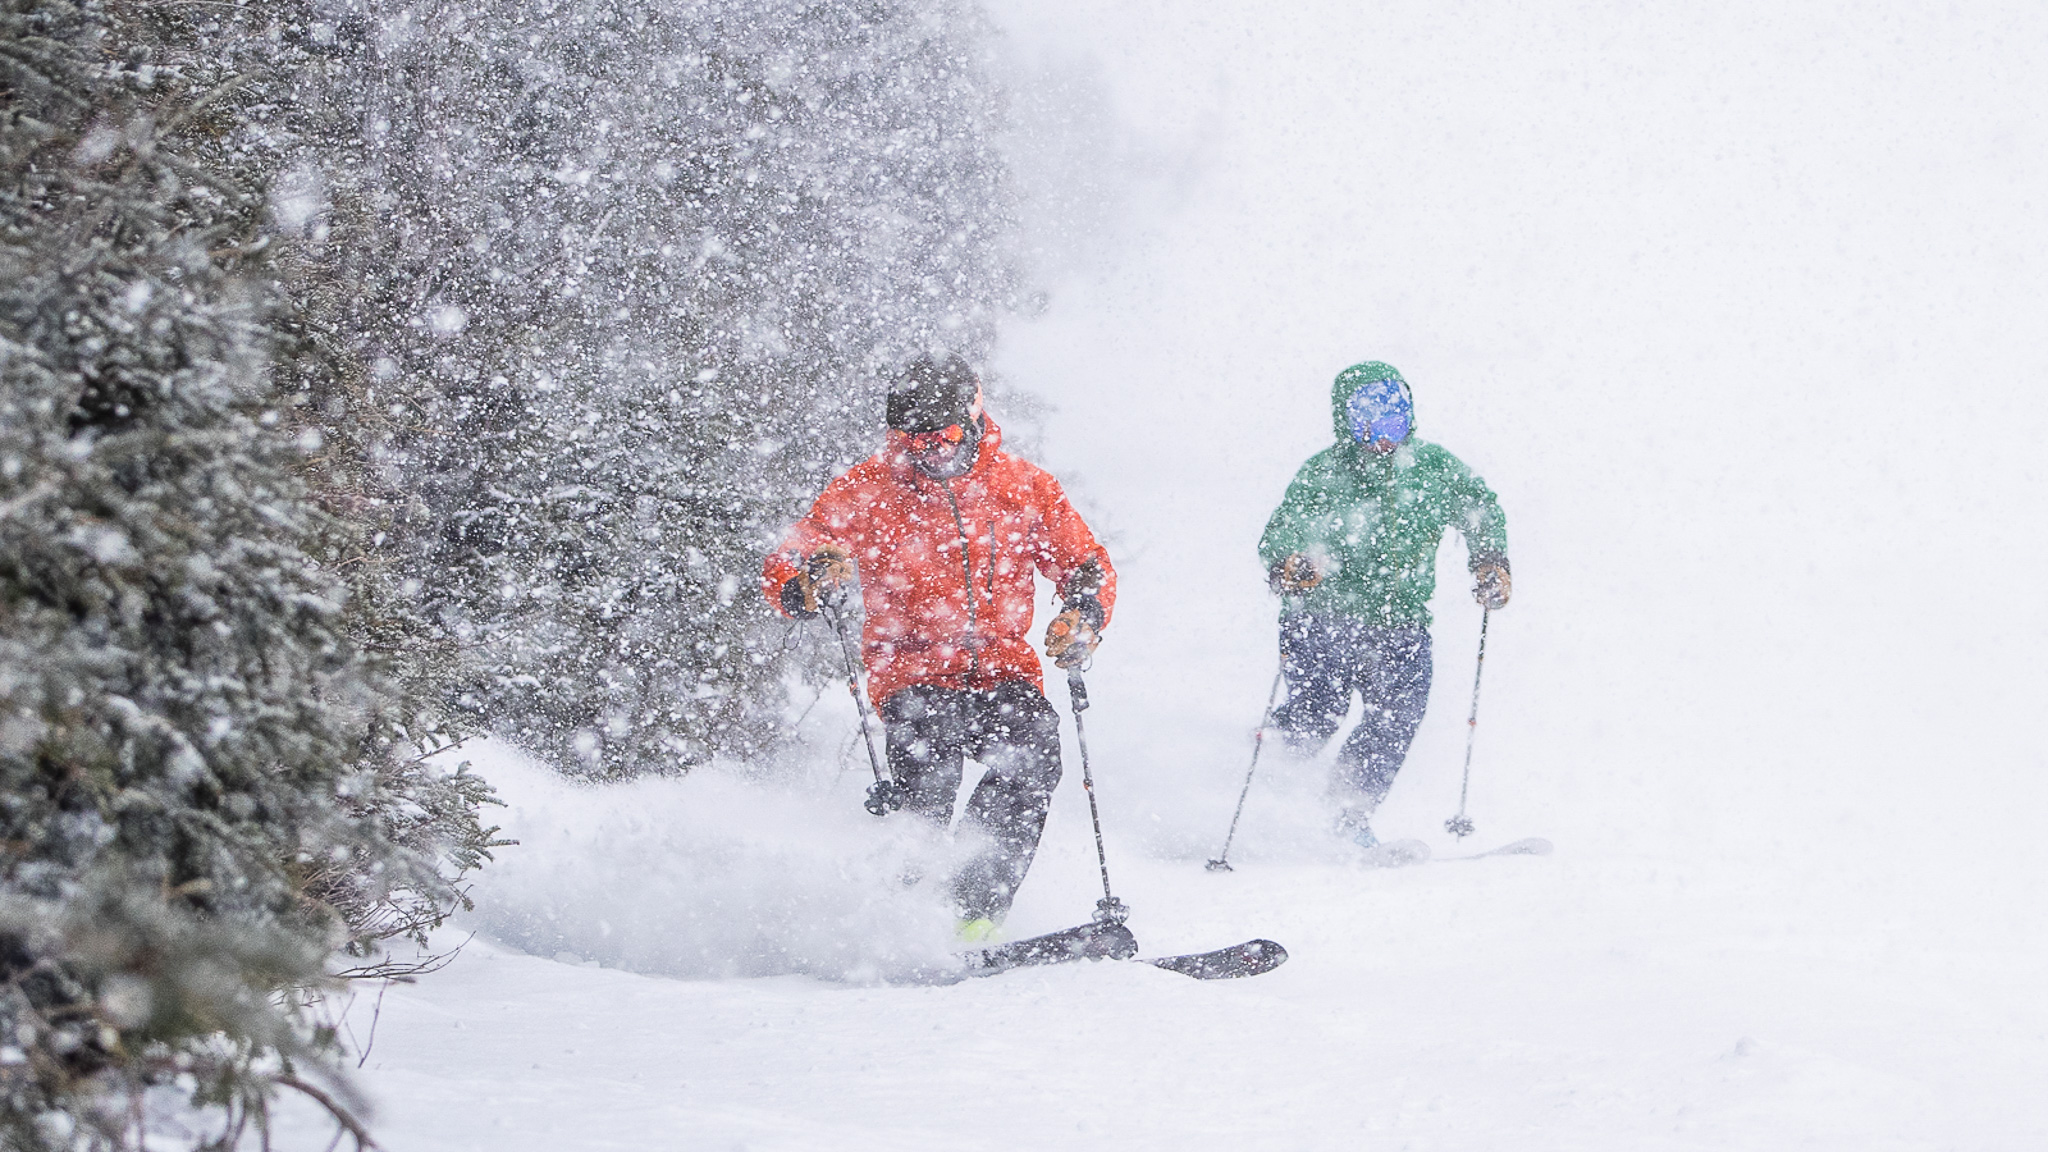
(967, 573)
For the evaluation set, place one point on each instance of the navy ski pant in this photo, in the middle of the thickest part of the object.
(1326, 659)
(1010, 730)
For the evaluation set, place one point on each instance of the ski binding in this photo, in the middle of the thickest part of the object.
(1396, 854)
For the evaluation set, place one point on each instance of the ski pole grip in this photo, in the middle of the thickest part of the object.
(1078, 689)
(834, 596)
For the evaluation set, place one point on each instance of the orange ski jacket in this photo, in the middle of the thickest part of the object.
(945, 566)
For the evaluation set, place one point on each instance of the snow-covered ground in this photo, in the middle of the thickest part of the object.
(1594, 999)
(1738, 307)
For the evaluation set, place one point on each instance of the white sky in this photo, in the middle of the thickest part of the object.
(1738, 308)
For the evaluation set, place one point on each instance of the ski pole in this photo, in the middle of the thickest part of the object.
(1459, 825)
(884, 795)
(1222, 861)
(1109, 909)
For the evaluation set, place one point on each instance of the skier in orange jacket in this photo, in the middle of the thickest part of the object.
(946, 532)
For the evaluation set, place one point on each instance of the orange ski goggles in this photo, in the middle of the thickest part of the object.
(948, 437)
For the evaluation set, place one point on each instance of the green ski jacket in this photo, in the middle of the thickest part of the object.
(1372, 523)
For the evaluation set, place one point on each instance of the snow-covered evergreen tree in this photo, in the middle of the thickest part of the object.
(205, 786)
(354, 351)
(628, 277)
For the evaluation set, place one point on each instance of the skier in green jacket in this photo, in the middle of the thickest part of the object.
(1352, 549)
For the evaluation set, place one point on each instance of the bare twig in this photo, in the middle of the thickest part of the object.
(200, 105)
(376, 1014)
(405, 973)
(341, 1115)
(342, 1021)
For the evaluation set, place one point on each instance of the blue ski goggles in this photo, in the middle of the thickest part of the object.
(1380, 410)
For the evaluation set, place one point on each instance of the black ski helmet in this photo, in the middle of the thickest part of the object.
(932, 393)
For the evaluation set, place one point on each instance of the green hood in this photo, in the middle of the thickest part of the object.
(1371, 522)
(1348, 381)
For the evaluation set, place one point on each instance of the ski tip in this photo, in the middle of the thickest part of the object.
(1533, 846)
(1268, 951)
(1251, 958)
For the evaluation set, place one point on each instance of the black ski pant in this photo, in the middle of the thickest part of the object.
(1326, 659)
(1013, 733)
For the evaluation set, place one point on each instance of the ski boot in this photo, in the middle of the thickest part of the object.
(976, 930)
(1354, 825)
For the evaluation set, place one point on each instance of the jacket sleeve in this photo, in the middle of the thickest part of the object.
(1292, 527)
(830, 520)
(1476, 515)
(1066, 544)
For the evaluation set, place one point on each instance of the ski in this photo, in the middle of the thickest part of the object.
(1097, 941)
(1094, 941)
(1530, 846)
(1403, 853)
(1396, 854)
(1251, 958)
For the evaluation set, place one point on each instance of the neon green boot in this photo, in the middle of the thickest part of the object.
(978, 930)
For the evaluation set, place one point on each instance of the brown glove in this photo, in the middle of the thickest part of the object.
(1294, 575)
(1492, 585)
(1070, 638)
(823, 573)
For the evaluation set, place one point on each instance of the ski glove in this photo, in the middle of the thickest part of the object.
(823, 573)
(1294, 575)
(1492, 585)
(1073, 634)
